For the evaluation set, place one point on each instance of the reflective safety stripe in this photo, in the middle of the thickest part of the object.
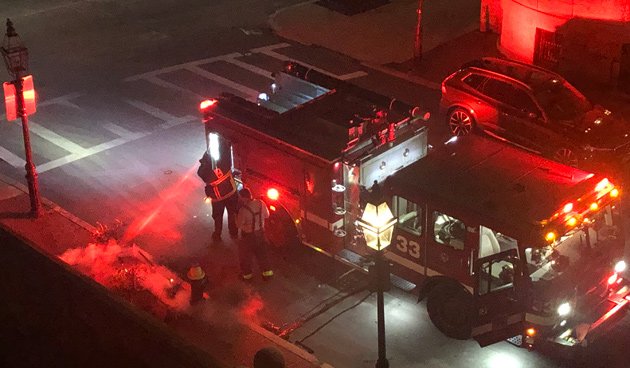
(417, 268)
(309, 216)
(540, 320)
(268, 273)
(248, 276)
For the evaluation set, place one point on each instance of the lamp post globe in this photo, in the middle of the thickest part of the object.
(14, 53)
(15, 56)
(377, 224)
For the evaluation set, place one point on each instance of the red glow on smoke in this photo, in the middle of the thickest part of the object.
(252, 306)
(164, 217)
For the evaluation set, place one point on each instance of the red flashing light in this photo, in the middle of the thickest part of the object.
(28, 90)
(603, 184)
(530, 332)
(614, 193)
(207, 103)
(273, 194)
(612, 279)
(9, 101)
(568, 207)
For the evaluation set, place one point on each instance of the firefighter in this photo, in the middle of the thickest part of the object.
(251, 222)
(197, 279)
(218, 209)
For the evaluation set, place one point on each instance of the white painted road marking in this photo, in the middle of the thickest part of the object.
(252, 94)
(178, 67)
(63, 100)
(10, 158)
(162, 83)
(54, 138)
(250, 67)
(269, 51)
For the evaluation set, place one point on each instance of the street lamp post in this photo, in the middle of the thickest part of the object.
(15, 56)
(377, 223)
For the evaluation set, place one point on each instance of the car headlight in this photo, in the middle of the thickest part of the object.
(620, 266)
(564, 309)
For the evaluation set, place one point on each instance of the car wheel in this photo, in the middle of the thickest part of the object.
(460, 122)
(566, 156)
(449, 308)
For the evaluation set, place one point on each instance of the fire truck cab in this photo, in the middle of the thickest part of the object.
(502, 243)
(509, 244)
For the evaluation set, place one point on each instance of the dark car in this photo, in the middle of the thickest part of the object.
(535, 109)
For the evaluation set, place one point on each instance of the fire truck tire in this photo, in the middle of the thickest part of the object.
(449, 308)
(280, 230)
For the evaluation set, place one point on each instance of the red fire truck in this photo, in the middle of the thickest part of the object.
(502, 243)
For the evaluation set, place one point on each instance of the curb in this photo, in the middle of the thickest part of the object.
(402, 75)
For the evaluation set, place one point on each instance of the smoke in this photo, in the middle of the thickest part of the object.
(128, 268)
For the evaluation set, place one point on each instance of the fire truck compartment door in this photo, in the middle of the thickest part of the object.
(388, 162)
(498, 312)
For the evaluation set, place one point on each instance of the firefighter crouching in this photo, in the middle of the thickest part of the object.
(250, 220)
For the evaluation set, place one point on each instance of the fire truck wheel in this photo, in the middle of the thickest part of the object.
(280, 230)
(449, 308)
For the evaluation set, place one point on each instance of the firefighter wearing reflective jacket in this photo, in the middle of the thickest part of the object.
(251, 221)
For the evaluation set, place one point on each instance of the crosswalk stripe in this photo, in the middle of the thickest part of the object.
(54, 138)
(64, 100)
(250, 67)
(162, 83)
(10, 158)
(269, 51)
(177, 67)
(122, 132)
(249, 93)
(152, 110)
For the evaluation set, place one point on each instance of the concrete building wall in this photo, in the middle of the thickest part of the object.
(51, 316)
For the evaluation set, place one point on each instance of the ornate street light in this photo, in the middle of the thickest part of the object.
(377, 223)
(15, 56)
(14, 52)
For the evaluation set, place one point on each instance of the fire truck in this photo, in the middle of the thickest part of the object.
(500, 242)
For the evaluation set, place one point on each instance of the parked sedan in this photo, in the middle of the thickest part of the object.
(535, 109)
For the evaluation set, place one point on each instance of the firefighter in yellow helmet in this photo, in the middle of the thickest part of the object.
(251, 222)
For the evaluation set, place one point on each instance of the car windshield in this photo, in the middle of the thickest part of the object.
(548, 262)
(561, 101)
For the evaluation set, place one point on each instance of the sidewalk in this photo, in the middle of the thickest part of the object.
(217, 326)
(383, 39)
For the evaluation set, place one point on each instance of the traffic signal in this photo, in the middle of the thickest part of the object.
(28, 91)
(9, 101)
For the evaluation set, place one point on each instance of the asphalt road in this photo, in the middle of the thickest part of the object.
(117, 136)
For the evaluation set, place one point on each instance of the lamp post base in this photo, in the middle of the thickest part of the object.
(382, 363)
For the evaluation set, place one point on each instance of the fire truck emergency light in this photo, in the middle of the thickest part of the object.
(568, 207)
(273, 194)
(207, 103)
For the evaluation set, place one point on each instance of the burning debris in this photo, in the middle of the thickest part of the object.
(130, 272)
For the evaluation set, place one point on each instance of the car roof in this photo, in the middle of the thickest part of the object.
(527, 74)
